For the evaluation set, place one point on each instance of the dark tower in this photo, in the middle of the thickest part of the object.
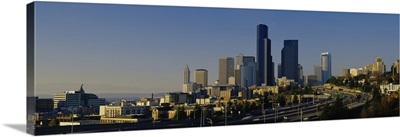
(290, 60)
(265, 73)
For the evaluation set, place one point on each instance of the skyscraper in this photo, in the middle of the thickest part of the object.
(239, 62)
(318, 73)
(290, 60)
(301, 76)
(326, 63)
(186, 75)
(279, 70)
(246, 70)
(201, 77)
(264, 59)
(226, 70)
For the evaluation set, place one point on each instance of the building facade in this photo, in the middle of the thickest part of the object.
(345, 72)
(318, 73)
(201, 77)
(379, 66)
(77, 98)
(226, 70)
(265, 67)
(326, 63)
(290, 60)
(186, 75)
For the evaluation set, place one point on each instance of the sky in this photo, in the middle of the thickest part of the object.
(144, 49)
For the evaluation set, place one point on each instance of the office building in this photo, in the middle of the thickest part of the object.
(43, 104)
(265, 72)
(279, 70)
(226, 70)
(358, 71)
(345, 72)
(379, 66)
(186, 75)
(301, 76)
(326, 63)
(395, 68)
(318, 73)
(77, 98)
(312, 80)
(189, 88)
(261, 90)
(290, 60)
(284, 82)
(246, 71)
(201, 77)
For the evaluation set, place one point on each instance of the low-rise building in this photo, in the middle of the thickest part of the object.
(159, 113)
(388, 88)
(266, 89)
(358, 71)
(283, 82)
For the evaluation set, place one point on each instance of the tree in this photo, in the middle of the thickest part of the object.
(52, 123)
(335, 111)
(245, 107)
(197, 111)
(252, 106)
(281, 100)
(295, 99)
(351, 84)
(180, 113)
(381, 107)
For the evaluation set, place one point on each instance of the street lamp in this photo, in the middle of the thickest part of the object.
(301, 115)
(226, 118)
(263, 112)
(211, 122)
(72, 120)
(276, 112)
(201, 116)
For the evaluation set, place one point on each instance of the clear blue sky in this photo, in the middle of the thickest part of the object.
(139, 49)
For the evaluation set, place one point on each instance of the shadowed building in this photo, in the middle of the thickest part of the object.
(246, 71)
(226, 70)
(201, 77)
(290, 60)
(318, 74)
(265, 72)
(77, 98)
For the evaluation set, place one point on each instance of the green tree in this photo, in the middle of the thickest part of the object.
(335, 111)
(52, 123)
(281, 100)
(197, 111)
(351, 84)
(180, 113)
(245, 107)
(295, 99)
(381, 107)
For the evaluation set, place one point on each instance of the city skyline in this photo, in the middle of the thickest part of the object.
(134, 67)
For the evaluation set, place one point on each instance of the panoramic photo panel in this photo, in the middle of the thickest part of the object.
(114, 67)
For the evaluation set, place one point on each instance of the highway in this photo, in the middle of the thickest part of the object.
(302, 112)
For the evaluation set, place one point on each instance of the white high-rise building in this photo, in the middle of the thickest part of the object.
(326, 63)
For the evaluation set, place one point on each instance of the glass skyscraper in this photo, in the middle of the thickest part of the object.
(326, 63)
(290, 60)
(265, 72)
